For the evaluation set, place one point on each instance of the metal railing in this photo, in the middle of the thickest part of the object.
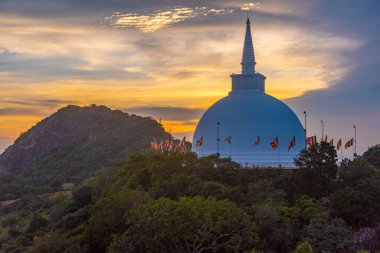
(282, 160)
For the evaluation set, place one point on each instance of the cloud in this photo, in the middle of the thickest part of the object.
(324, 53)
(353, 99)
(250, 6)
(17, 111)
(168, 113)
(159, 19)
(40, 103)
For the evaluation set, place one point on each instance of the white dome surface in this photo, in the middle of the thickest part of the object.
(245, 115)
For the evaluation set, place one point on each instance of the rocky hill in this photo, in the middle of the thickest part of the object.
(74, 143)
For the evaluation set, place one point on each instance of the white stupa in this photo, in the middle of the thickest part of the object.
(246, 114)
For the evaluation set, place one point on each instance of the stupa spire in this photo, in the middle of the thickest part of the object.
(248, 60)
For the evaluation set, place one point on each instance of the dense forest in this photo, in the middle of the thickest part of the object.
(70, 146)
(182, 203)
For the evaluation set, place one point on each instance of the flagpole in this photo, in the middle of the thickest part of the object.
(278, 152)
(258, 158)
(341, 150)
(355, 142)
(322, 129)
(217, 139)
(304, 112)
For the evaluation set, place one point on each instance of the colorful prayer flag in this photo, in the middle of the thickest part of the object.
(257, 142)
(292, 143)
(199, 142)
(311, 140)
(166, 144)
(274, 143)
(153, 145)
(339, 144)
(228, 139)
(161, 145)
(183, 150)
(182, 143)
(349, 143)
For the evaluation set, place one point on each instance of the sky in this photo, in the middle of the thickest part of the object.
(172, 59)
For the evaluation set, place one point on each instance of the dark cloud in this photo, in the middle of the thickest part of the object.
(188, 74)
(354, 99)
(18, 111)
(55, 9)
(167, 113)
(40, 103)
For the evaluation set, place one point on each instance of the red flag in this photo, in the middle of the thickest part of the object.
(171, 146)
(182, 143)
(274, 143)
(199, 142)
(257, 142)
(292, 143)
(166, 144)
(161, 145)
(349, 143)
(177, 147)
(339, 144)
(153, 145)
(311, 140)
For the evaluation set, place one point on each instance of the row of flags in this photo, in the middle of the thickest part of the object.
(313, 139)
(169, 146)
(175, 147)
(274, 144)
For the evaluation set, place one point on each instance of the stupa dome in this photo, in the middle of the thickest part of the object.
(233, 125)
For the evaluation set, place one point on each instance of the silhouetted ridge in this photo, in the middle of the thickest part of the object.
(73, 143)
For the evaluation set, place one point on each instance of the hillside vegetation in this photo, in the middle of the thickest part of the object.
(182, 203)
(72, 145)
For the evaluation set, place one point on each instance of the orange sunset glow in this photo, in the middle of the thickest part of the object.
(169, 56)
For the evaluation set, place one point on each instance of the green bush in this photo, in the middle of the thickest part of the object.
(192, 224)
(57, 244)
(107, 217)
(304, 247)
(329, 236)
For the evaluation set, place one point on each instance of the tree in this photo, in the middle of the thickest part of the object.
(368, 239)
(318, 169)
(36, 223)
(358, 205)
(356, 170)
(192, 224)
(56, 244)
(316, 156)
(304, 210)
(304, 247)
(275, 234)
(83, 195)
(107, 217)
(329, 236)
(372, 155)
